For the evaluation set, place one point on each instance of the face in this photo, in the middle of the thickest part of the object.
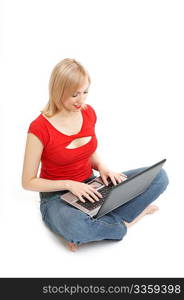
(76, 101)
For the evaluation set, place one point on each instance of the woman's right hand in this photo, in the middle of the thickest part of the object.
(81, 189)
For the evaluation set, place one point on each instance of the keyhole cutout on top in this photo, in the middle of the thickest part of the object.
(79, 142)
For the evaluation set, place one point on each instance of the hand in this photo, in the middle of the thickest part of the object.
(81, 189)
(105, 173)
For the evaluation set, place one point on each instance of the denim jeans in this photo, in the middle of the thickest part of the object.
(77, 227)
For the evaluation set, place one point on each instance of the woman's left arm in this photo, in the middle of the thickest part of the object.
(105, 172)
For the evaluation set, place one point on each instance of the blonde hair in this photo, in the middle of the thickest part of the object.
(65, 79)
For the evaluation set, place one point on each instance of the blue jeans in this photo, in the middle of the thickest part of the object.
(77, 227)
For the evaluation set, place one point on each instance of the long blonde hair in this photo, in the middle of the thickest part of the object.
(65, 79)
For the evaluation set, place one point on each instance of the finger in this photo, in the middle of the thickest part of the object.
(94, 197)
(81, 199)
(88, 195)
(113, 180)
(125, 178)
(120, 179)
(96, 192)
(105, 180)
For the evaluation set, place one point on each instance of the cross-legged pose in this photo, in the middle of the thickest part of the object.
(62, 139)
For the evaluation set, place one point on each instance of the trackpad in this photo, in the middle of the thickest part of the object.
(96, 184)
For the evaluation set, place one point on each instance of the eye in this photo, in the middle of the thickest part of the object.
(75, 95)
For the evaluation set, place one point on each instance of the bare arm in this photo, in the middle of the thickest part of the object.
(33, 152)
(96, 161)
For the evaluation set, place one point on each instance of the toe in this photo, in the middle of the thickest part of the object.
(152, 209)
(73, 247)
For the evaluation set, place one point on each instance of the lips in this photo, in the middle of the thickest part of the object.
(77, 106)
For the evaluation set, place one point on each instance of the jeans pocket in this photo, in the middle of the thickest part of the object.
(46, 202)
(43, 208)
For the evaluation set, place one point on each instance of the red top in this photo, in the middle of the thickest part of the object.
(59, 162)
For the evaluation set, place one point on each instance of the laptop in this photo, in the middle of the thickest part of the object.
(114, 195)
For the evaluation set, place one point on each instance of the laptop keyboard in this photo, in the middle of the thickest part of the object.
(104, 191)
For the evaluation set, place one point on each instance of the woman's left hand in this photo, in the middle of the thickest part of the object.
(115, 177)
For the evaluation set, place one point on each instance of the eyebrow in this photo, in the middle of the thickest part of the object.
(84, 90)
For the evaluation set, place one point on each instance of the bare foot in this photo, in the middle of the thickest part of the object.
(73, 247)
(148, 210)
(151, 209)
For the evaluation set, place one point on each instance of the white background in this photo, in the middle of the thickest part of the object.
(133, 51)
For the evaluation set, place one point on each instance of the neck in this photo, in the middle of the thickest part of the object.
(68, 114)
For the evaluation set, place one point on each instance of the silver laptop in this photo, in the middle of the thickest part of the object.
(114, 195)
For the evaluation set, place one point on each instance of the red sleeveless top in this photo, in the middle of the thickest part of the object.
(59, 162)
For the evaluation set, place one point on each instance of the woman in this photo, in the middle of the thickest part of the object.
(63, 139)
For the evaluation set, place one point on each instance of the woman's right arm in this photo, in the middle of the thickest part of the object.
(30, 181)
(32, 157)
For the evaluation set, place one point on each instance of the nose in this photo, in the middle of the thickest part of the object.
(80, 100)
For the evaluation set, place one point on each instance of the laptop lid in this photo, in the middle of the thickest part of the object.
(129, 189)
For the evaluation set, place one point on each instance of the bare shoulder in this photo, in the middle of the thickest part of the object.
(33, 149)
(32, 158)
(33, 142)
